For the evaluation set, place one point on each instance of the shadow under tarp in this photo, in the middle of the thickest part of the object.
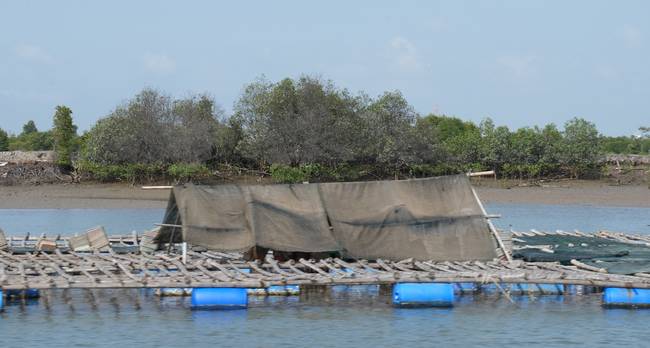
(436, 219)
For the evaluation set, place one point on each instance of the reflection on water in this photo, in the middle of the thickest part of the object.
(359, 316)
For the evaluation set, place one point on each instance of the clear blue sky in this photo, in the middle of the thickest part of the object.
(521, 63)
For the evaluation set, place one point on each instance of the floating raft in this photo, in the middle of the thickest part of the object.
(210, 269)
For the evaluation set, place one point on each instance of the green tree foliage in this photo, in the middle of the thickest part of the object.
(63, 132)
(229, 135)
(40, 141)
(308, 128)
(152, 127)
(15, 143)
(582, 143)
(19, 142)
(4, 140)
(495, 148)
(459, 141)
(627, 145)
(29, 128)
(389, 120)
(449, 127)
(251, 116)
(549, 144)
(31, 139)
(464, 145)
(305, 121)
(194, 121)
(310, 120)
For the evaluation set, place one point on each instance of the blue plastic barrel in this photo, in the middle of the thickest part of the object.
(550, 289)
(524, 288)
(543, 289)
(423, 295)
(491, 288)
(626, 298)
(465, 287)
(219, 298)
(29, 293)
(1, 300)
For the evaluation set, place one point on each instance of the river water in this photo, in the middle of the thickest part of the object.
(16, 222)
(343, 316)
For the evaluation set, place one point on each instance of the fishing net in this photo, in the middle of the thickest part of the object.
(615, 252)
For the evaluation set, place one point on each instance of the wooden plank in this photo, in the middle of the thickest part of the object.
(491, 172)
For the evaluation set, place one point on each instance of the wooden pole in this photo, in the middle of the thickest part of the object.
(494, 230)
(171, 238)
(135, 238)
(157, 187)
(167, 225)
(491, 172)
(184, 252)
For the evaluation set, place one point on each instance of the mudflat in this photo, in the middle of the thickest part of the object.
(80, 196)
(583, 193)
(119, 196)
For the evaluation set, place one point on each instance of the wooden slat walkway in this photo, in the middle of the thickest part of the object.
(59, 270)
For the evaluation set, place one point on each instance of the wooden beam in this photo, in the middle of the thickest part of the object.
(167, 225)
(387, 279)
(491, 172)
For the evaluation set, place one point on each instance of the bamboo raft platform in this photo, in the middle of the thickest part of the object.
(211, 269)
(63, 241)
(602, 234)
(23, 266)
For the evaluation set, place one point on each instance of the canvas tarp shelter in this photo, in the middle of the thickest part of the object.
(426, 219)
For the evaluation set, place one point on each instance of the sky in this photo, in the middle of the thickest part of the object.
(520, 63)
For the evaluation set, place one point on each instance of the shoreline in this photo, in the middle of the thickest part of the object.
(117, 196)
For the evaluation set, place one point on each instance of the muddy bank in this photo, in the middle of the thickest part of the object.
(119, 196)
(69, 196)
(584, 193)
